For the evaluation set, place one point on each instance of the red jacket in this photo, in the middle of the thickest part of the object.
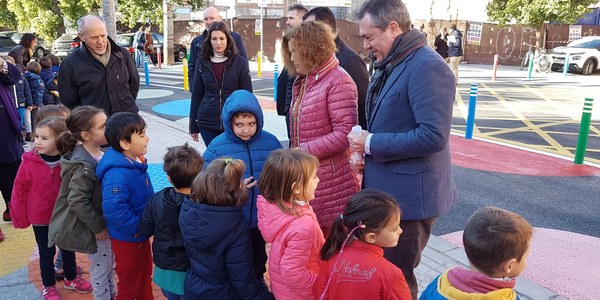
(361, 273)
(327, 113)
(35, 192)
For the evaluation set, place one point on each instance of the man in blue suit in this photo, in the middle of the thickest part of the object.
(406, 142)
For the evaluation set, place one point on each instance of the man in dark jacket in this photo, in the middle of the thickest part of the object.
(211, 15)
(455, 49)
(441, 43)
(349, 60)
(101, 74)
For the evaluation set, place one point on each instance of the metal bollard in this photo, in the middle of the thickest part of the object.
(186, 81)
(495, 67)
(275, 76)
(259, 60)
(530, 67)
(146, 71)
(584, 130)
(471, 113)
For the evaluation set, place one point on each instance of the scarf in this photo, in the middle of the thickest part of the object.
(10, 106)
(104, 58)
(403, 46)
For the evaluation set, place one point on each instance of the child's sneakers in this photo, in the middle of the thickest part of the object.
(59, 274)
(50, 293)
(78, 284)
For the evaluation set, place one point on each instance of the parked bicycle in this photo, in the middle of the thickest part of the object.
(542, 62)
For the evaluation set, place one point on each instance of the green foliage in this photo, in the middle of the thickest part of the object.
(75, 9)
(7, 17)
(36, 16)
(148, 11)
(536, 12)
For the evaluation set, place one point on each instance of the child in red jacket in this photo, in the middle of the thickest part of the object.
(353, 266)
(33, 196)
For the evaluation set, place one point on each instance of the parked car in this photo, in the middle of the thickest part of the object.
(66, 44)
(6, 44)
(584, 55)
(40, 50)
(125, 40)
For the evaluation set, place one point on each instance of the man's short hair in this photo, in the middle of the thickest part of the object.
(453, 27)
(383, 12)
(142, 28)
(494, 235)
(81, 21)
(34, 67)
(298, 7)
(121, 126)
(182, 164)
(46, 63)
(323, 14)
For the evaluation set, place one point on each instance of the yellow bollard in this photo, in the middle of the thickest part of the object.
(259, 64)
(186, 83)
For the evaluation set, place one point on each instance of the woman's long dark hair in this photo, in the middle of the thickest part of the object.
(207, 49)
(373, 209)
(27, 40)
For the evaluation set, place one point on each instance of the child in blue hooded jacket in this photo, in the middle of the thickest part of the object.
(245, 139)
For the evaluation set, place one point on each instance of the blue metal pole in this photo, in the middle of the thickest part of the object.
(566, 65)
(275, 77)
(471, 113)
(146, 71)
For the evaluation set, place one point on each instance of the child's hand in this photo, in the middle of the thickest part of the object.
(250, 182)
(30, 107)
(102, 235)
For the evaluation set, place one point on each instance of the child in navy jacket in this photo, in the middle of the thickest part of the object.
(126, 190)
(245, 139)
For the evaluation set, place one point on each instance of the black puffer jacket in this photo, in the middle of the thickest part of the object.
(161, 219)
(83, 80)
(208, 99)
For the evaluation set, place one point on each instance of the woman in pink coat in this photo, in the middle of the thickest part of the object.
(323, 110)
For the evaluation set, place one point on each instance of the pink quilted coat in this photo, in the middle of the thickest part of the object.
(327, 113)
(34, 192)
(295, 245)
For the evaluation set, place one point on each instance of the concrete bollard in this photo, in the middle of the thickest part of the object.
(159, 57)
(186, 81)
(584, 130)
(275, 77)
(495, 67)
(471, 113)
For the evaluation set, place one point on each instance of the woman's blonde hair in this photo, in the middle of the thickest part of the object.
(283, 169)
(314, 43)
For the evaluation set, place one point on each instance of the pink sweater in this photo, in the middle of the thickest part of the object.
(35, 192)
(295, 244)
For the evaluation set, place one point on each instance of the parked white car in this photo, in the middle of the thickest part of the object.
(584, 55)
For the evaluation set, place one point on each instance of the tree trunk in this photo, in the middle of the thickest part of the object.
(60, 28)
(108, 13)
(168, 33)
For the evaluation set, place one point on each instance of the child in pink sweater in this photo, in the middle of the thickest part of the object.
(286, 220)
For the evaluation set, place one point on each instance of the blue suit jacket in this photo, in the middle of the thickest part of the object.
(410, 122)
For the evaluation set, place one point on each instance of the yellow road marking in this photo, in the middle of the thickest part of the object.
(560, 149)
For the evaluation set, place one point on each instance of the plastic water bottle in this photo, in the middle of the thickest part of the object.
(356, 132)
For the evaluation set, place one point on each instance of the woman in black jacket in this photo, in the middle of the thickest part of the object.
(220, 72)
(23, 52)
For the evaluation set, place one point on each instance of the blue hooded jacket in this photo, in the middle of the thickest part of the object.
(36, 85)
(253, 152)
(126, 190)
(217, 242)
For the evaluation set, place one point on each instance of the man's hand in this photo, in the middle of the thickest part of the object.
(195, 137)
(102, 235)
(357, 143)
